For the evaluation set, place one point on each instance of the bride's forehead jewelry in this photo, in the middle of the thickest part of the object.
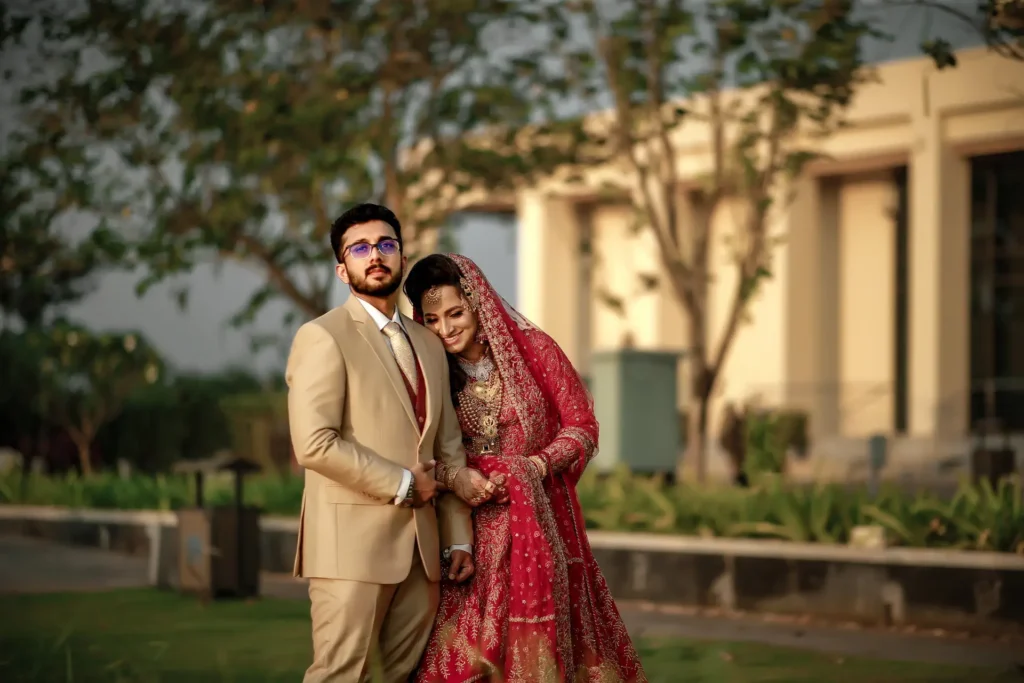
(432, 296)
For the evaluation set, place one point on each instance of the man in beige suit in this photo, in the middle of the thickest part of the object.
(370, 411)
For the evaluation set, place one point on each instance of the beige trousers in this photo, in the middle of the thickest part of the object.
(362, 627)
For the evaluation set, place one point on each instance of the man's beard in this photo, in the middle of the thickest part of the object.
(378, 288)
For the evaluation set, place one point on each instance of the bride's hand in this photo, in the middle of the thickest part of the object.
(472, 487)
(501, 495)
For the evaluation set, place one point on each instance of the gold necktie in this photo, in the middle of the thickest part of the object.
(402, 349)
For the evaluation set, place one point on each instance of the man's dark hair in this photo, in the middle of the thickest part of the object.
(359, 214)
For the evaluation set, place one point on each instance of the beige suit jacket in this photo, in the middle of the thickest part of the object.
(354, 430)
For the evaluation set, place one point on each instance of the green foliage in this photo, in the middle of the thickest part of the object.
(20, 422)
(280, 114)
(181, 418)
(178, 416)
(766, 452)
(43, 267)
(976, 518)
(999, 23)
(85, 377)
(106, 490)
(770, 434)
(258, 423)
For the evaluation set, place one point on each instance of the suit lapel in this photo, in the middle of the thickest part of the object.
(430, 372)
(376, 340)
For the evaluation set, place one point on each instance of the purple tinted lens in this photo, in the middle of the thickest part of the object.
(388, 247)
(361, 250)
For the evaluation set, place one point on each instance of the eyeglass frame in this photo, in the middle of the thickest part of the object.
(371, 247)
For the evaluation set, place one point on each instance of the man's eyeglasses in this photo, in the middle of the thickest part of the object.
(386, 247)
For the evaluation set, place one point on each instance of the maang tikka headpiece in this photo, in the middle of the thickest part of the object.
(432, 296)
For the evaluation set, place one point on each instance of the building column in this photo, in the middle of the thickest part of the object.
(811, 349)
(939, 284)
(548, 267)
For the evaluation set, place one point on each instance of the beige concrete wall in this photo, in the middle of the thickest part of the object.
(867, 311)
(623, 258)
(755, 364)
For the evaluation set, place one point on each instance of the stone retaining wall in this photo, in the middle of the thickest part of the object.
(979, 591)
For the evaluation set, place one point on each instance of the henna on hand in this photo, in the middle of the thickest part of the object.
(472, 487)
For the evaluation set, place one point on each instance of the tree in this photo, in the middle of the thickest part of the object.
(85, 378)
(46, 261)
(999, 23)
(43, 267)
(670, 73)
(21, 427)
(238, 129)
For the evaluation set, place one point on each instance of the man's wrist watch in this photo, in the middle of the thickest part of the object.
(407, 501)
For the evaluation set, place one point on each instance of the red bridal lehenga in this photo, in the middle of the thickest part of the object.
(538, 608)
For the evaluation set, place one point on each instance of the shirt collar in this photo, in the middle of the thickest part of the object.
(379, 318)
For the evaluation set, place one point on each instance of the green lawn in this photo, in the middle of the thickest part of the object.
(142, 636)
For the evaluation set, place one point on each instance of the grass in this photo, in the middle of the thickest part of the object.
(144, 636)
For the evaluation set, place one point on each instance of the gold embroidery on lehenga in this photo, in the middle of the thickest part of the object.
(532, 620)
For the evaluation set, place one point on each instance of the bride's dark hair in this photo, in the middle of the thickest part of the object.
(437, 270)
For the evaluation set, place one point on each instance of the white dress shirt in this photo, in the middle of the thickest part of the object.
(381, 321)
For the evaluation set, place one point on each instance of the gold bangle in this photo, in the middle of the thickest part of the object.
(449, 479)
(542, 466)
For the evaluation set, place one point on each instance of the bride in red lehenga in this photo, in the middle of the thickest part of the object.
(538, 608)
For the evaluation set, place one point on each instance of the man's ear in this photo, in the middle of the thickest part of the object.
(342, 272)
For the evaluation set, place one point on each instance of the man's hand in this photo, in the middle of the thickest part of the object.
(472, 487)
(462, 566)
(424, 487)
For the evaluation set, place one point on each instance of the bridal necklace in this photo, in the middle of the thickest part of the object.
(482, 403)
(478, 370)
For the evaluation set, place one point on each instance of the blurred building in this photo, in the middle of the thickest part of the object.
(897, 294)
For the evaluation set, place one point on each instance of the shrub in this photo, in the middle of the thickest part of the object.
(976, 518)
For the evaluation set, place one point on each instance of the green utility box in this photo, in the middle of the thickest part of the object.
(635, 398)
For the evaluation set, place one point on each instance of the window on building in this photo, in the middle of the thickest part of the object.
(901, 327)
(997, 290)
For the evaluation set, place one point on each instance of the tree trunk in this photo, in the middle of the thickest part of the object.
(695, 458)
(84, 446)
(701, 380)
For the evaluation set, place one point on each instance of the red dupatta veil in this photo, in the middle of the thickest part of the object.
(549, 625)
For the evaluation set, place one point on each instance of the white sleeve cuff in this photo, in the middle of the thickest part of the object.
(403, 488)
